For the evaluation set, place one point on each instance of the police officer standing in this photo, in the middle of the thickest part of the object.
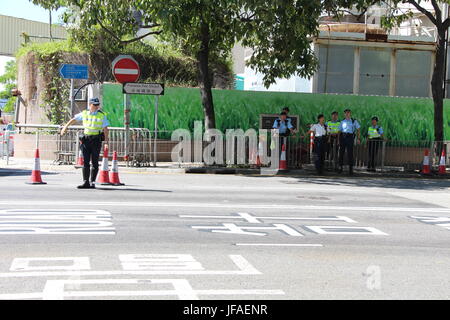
(348, 128)
(95, 126)
(333, 141)
(320, 141)
(285, 129)
(374, 140)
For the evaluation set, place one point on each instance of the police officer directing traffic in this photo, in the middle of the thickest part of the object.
(348, 128)
(95, 126)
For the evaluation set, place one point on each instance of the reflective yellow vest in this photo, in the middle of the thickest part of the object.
(373, 132)
(333, 127)
(93, 123)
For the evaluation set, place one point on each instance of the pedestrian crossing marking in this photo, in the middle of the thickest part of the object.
(53, 221)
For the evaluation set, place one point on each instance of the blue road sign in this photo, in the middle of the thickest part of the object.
(74, 71)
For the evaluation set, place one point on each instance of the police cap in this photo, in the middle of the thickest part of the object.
(94, 101)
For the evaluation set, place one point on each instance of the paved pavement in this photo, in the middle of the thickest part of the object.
(178, 236)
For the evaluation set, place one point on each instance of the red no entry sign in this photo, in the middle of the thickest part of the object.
(125, 69)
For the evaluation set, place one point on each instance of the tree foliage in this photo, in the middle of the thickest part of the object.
(8, 80)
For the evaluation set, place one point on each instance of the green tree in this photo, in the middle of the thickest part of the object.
(50, 5)
(8, 80)
(278, 31)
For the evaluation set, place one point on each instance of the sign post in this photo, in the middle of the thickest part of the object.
(126, 69)
(73, 71)
(156, 132)
(148, 89)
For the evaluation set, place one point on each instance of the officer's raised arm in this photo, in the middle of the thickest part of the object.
(68, 124)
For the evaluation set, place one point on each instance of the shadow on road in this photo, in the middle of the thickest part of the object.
(122, 188)
(406, 184)
(21, 172)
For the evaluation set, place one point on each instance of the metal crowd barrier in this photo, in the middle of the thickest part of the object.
(67, 146)
(402, 156)
(390, 155)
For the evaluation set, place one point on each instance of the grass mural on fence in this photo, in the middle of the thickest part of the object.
(404, 119)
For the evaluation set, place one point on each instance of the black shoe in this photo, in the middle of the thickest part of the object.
(350, 171)
(94, 173)
(85, 185)
(339, 170)
(92, 185)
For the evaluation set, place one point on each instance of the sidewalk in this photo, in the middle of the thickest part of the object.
(175, 168)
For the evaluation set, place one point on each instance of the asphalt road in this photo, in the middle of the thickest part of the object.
(177, 236)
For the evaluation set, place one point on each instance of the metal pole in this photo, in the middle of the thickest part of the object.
(383, 155)
(71, 97)
(77, 147)
(16, 110)
(7, 146)
(37, 139)
(156, 131)
(126, 121)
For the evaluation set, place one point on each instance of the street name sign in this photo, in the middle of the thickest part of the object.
(74, 71)
(143, 88)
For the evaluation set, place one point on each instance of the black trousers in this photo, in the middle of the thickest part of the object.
(373, 146)
(91, 147)
(320, 145)
(346, 144)
(333, 150)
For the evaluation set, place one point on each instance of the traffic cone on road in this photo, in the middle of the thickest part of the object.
(36, 173)
(283, 162)
(114, 174)
(426, 163)
(259, 153)
(442, 163)
(80, 160)
(103, 177)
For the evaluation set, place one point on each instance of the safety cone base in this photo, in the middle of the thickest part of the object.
(35, 182)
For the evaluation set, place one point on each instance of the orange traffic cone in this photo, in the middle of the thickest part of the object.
(442, 163)
(80, 160)
(114, 174)
(36, 173)
(283, 162)
(259, 152)
(103, 177)
(426, 163)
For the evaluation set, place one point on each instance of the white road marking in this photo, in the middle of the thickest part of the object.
(275, 206)
(244, 268)
(346, 230)
(25, 264)
(54, 221)
(159, 262)
(235, 229)
(281, 244)
(182, 289)
(256, 219)
(443, 222)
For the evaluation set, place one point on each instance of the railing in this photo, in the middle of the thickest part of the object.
(66, 148)
(402, 156)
